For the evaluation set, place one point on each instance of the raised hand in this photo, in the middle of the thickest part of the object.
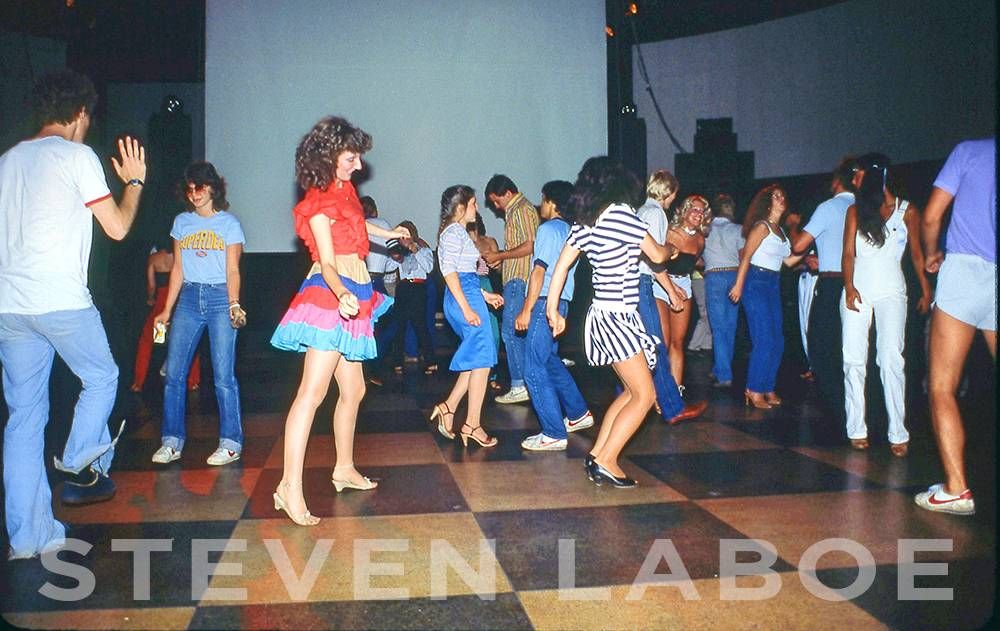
(133, 160)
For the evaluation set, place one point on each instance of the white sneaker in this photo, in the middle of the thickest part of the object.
(515, 395)
(166, 454)
(961, 505)
(575, 425)
(223, 456)
(541, 442)
(569, 363)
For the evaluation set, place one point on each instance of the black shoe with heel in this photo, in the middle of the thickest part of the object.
(602, 475)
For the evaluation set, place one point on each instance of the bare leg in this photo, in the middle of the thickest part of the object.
(351, 383)
(477, 392)
(638, 382)
(316, 373)
(679, 322)
(949, 346)
(609, 420)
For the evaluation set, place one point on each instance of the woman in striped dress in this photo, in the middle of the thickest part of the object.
(331, 318)
(612, 236)
(465, 303)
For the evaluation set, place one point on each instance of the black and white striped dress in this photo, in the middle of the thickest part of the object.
(614, 331)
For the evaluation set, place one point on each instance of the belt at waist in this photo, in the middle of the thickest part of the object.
(831, 274)
(413, 280)
(763, 269)
(721, 269)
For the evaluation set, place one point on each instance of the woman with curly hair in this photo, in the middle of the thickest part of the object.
(331, 317)
(877, 231)
(767, 247)
(205, 286)
(612, 236)
(465, 302)
(687, 233)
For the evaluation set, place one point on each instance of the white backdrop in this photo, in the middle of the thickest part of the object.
(909, 78)
(452, 91)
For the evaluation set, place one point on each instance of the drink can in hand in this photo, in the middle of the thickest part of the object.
(159, 333)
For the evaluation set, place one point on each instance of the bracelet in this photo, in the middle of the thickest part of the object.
(135, 182)
(233, 304)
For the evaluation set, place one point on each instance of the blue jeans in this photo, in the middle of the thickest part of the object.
(553, 392)
(28, 345)
(513, 301)
(199, 307)
(722, 317)
(668, 397)
(762, 304)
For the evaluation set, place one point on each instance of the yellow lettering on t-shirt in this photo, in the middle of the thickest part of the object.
(202, 240)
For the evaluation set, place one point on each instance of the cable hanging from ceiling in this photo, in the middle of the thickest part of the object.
(649, 88)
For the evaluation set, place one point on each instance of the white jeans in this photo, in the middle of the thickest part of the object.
(890, 324)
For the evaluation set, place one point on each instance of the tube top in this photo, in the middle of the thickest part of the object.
(682, 265)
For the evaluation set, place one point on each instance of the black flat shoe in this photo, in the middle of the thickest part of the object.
(602, 475)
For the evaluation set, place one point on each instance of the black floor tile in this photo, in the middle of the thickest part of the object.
(170, 573)
(455, 612)
(406, 490)
(970, 605)
(611, 542)
(748, 473)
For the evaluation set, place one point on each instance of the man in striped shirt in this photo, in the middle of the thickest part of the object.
(521, 219)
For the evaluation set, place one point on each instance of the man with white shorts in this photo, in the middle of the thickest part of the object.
(965, 302)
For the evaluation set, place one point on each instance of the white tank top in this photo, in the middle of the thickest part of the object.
(772, 250)
(880, 267)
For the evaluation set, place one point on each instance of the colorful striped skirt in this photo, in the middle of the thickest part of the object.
(313, 320)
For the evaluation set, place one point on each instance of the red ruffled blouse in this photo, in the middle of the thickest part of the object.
(340, 203)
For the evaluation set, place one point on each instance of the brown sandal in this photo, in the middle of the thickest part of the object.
(899, 449)
(859, 443)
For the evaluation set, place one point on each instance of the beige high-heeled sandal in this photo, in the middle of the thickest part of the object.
(340, 485)
(440, 411)
(305, 519)
(491, 441)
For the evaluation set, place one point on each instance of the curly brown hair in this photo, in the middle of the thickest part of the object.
(760, 207)
(59, 96)
(316, 155)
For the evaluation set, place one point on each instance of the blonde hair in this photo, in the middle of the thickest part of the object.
(706, 218)
(661, 184)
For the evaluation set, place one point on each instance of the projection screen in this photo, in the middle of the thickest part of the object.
(452, 91)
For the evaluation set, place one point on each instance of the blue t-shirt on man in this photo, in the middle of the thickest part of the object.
(203, 242)
(549, 242)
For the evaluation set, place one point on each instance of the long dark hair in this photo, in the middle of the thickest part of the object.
(600, 183)
(451, 199)
(871, 193)
(760, 207)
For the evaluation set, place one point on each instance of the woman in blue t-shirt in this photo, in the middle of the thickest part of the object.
(205, 286)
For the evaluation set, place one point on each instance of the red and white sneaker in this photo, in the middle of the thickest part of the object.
(223, 456)
(575, 425)
(541, 442)
(932, 499)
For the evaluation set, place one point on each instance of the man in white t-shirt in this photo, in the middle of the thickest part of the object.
(52, 186)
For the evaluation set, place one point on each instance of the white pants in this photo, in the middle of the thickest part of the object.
(890, 324)
(701, 337)
(807, 289)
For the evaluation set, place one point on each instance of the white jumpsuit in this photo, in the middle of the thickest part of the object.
(878, 277)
